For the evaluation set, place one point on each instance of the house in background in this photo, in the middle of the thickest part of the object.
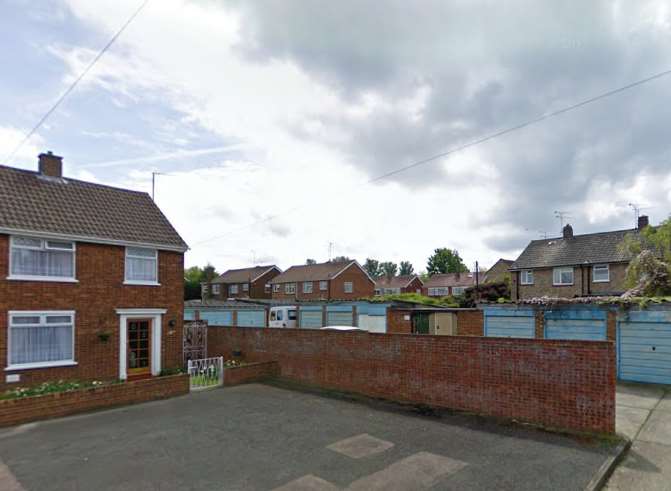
(444, 284)
(498, 272)
(242, 283)
(91, 280)
(396, 285)
(345, 280)
(573, 265)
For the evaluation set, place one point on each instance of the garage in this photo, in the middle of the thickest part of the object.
(505, 322)
(576, 324)
(311, 317)
(251, 318)
(644, 346)
(339, 315)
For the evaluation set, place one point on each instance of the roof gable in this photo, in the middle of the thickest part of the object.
(32, 203)
(602, 247)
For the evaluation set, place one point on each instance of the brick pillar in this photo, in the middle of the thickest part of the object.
(611, 325)
(298, 316)
(324, 315)
(540, 324)
(196, 315)
(234, 318)
(355, 318)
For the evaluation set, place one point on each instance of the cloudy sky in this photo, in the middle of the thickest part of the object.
(272, 117)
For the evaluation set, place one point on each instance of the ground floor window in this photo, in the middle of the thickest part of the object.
(41, 338)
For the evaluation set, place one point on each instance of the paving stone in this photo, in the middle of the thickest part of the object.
(360, 446)
(646, 467)
(657, 429)
(629, 420)
(308, 483)
(638, 395)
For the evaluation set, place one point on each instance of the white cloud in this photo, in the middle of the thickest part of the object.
(26, 156)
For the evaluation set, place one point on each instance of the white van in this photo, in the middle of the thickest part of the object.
(284, 316)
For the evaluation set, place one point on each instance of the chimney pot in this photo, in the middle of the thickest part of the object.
(50, 165)
(567, 232)
(642, 222)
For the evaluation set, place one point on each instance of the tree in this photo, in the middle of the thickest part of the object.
(310, 261)
(405, 268)
(649, 272)
(446, 260)
(388, 269)
(193, 277)
(340, 259)
(372, 267)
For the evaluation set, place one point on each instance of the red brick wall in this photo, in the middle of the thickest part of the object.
(24, 410)
(363, 287)
(470, 323)
(537, 381)
(100, 271)
(397, 323)
(414, 285)
(258, 290)
(253, 372)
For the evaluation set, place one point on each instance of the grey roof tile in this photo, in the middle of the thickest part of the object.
(32, 202)
(243, 275)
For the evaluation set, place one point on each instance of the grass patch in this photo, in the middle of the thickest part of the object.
(449, 301)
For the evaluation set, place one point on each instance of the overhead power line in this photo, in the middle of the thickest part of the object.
(76, 82)
(472, 143)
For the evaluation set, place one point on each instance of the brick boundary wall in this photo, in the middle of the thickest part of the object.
(470, 323)
(56, 405)
(556, 384)
(252, 372)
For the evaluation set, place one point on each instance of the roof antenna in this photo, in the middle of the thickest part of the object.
(637, 210)
(330, 250)
(153, 182)
(562, 215)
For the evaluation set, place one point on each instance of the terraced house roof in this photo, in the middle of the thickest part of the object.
(244, 275)
(395, 281)
(602, 247)
(313, 272)
(33, 202)
(441, 280)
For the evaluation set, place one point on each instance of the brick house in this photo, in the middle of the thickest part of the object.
(444, 284)
(91, 280)
(573, 265)
(498, 272)
(395, 285)
(243, 283)
(325, 281)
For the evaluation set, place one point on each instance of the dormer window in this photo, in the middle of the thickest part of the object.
(41, 259)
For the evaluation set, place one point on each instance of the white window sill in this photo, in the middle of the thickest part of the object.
(53, 279)
(562, 284)
(600, 281)
(45, 364)
(141, 283)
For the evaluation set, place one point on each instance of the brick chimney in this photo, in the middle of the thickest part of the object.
(50, 165)
(643, 222)
(567, 231)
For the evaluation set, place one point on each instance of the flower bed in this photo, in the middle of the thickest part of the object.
(50, 388)
(23, 407)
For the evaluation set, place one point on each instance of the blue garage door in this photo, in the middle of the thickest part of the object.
(251, 318)
(217, 317)
(576, 324)
(509, 323)
(644, 346)
(338, 315)
(311, 317)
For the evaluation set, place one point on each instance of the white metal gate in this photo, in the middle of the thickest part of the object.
(206, 373)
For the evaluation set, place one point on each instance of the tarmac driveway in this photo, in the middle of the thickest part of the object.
(263, 437)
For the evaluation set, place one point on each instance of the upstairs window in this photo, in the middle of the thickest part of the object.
(527, 277)
(323, 286)
(141, 266)
(307, 287)
(41, 339)
(439, 291)
(290, 288)
(562, 276)
(233, 290)
(42, 259)
(600, 273)
(245, 287)
(348, 287)
(216, 289)
(458, 290)
(277, 287)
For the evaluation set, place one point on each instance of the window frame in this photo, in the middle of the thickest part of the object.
(458, 290)
(216, 288)
(607, 266)
(277, 287)
(290, 288)
(233, 289)
(307, 287)
(245, 287)
(43, 314)
(141, 282)
(44, 246)
(560, 270)
(351, 287)
(524, 277)
(431, 292)
(323, 285)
